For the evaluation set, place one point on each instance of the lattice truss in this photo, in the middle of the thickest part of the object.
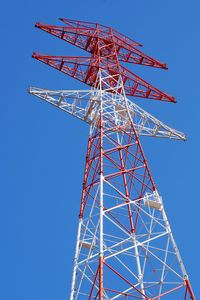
(125, 247)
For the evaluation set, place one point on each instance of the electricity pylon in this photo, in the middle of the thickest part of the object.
(125, 247)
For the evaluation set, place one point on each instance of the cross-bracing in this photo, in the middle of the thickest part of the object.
(125, 248)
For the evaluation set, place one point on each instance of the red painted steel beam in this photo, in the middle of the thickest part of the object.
(85, 69)
(86, 38)
(189, 289)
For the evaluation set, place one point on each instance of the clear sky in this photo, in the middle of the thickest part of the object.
(43, 149)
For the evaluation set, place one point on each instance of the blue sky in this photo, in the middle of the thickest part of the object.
(43, 149)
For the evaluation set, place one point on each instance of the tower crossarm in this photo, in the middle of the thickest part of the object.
(80, 24)
(86, 69)
(85, 104)
(85, 37)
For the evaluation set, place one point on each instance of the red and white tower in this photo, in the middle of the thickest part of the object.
(125, 247)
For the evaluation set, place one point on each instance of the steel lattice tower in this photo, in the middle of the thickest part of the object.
(125, 247)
